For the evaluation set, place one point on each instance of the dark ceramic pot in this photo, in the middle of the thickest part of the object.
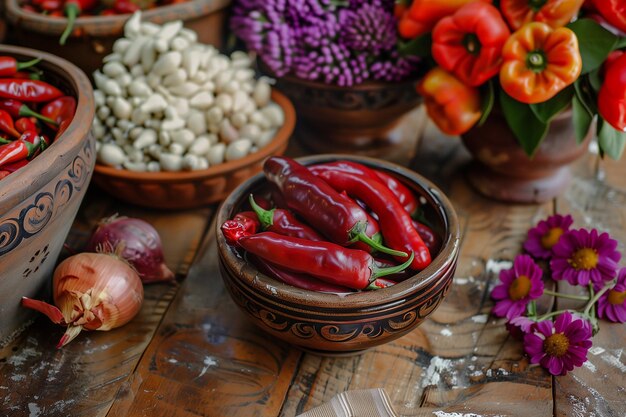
(360, 118)
(334, 324)
(502, 171)
(94, 36)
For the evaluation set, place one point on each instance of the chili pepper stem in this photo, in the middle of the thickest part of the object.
(381, 272)
(266, 217)
(71, 11)
(358, 234)
(27, 64)
(25, 111)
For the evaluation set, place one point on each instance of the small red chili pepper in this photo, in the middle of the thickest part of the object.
(17, 150)
(14, 166)
(326, 210)
(283, 222)
(28, 90)
(387, 263)
(18, 109)
(108, 12)
(51, 5)
(329, 262)
(9, 66)
(233, 231)
(395, 223)
(60, 109)
(4, 174)
(29, 8)
(41, 141)
(249, 220)
(430, 238)
(6, 124)
(381, 283)
(25, 123)
(72, 9)
(62, 127)
(125, 7)
(295, 279)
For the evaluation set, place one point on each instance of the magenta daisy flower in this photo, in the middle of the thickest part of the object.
(559, 346)
(612, 304)
(583, 256)
(546, 234)
(520, 285)
(519, 326)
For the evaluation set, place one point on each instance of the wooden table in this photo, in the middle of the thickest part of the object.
(190, 352)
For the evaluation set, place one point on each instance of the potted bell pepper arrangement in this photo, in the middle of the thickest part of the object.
(538, 66)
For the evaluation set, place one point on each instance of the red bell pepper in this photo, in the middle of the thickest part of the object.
(72, 9)
(469, 43)
(612, 95)
(9, 66)
(614, 11)
(554, 13)
(28, 90)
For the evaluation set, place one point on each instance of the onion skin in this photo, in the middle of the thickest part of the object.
(92, 291)
(135, 240)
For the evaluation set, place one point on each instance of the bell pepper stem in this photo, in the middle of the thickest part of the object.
(381, 272)
(27, 64)
(266, 217)
(71, 11)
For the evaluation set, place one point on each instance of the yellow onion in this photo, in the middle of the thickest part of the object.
(92, 291)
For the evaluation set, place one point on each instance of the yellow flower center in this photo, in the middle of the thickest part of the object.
(585, 258)
(520, 287)
(616, 297)
(551, 237)
(556, 345)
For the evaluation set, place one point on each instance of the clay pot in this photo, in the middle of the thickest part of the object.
(38, 202)
(358, 119)
(502, 171)
(342, 324)
(96, 34)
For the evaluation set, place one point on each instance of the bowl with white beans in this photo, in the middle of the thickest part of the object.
(181, 128)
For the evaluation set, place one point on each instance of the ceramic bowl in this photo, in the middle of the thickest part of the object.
(94, 35)
(183, 190)
(38, 202)
(333, 324)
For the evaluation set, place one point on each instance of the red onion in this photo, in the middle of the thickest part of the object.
(91, 291)
(136, 241)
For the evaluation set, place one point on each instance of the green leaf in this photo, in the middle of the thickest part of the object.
(582, 119)
(586, 95)
(611, 140)
(526, 127)
(548, 109)
(419, 46)
(621, 43)
(489, 97)
(594, 42)
(595, 80)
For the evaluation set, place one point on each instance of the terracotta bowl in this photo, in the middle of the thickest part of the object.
(95, 35)
(339, 324)
(38, 202)
(183, 190)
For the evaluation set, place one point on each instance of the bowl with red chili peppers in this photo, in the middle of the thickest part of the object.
(47, 156)
(336, 254)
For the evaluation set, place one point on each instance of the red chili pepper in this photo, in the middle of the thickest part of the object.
(18, 109)
(60, 109)
(329, 262)
(233, 231)
(17, 150)
(108, 12)
(295, 279)
(25, 123)
(62, 127)
(9, 66)
(249, 220)
(14, 166)
(4, 174)
(387, 263)
(395, 222)
(125, 6)
(401, 191)
(6, 124)
(381, 283)
(430, 238)
(51, 5)
(28, 90)
(72, 9)
(283, 222)
(335, 216)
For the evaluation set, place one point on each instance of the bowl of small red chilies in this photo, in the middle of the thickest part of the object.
(336, 253)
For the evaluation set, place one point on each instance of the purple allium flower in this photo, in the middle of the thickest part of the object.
(612, 304)
(520, 285)
(546, 234)
(583, 256)
(368, 28)
(559, 346)
(519, 326)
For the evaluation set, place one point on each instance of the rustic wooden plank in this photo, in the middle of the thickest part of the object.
(461, 359)
(84, 377)
(596, 199)
(207, 359)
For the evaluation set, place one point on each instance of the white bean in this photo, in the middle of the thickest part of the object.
(231, 87)
(176, 78)
(161, 45)
(122, 108)
(167, 63)
(109, 101)
(213, 138)
(208, 86)
(216, 154)
(133, 52)
(173, 124)
(196, 122)
(238, 120)
(265, 138)
(260, 120)
(153, 124)
(154, 103)
(191, 62)
(170, 161)
(111, 154)
(227, 132)
(239, 101)
(202, 100)
(190, 162)
(179, 43)
(177, 148)
(200, 146)
(170, 112)
(97, 129)
(139, 88)
(110, 121)
(250, 131)
(164, 138)
(199, 77)
(100, 79)
(249, 108)
(121, 45)
(262, 93)
(189, 34)
(137, 71)
(125, 125)
(222, 78)
(243, 74)
(181, 105)
(185, 89)
(103, 112)
(98, 98)
(149, 28)
(148, 56)
(121, 141)
(224, 102)
(153, 166)
(202, 163)
(135, 166)
(112, 88)
(135, 132)
(153, 80)
(170, 29)
(139, 116)
(214, 115)
(154, 150)
(117, 134)
(183, 137)
(274, 114)
(133, 25)
(113, 69)
(146, 138)
(238, 149)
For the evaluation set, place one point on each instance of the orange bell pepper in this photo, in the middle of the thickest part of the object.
(539, 62)
(555, 13)
(422, 16)
(469, 43)
(453, 106)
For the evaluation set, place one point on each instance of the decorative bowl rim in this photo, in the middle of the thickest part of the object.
(280, 138)
(269, 287)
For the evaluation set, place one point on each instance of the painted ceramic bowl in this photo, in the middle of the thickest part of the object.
(332, 324)
(94, 36)
(183, 190)
(38, 202)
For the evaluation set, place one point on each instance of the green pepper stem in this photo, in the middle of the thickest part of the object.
(377, 246)
(381, 272)
(71, 11)
(26, 111)
(22, 65)
(266, 217)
